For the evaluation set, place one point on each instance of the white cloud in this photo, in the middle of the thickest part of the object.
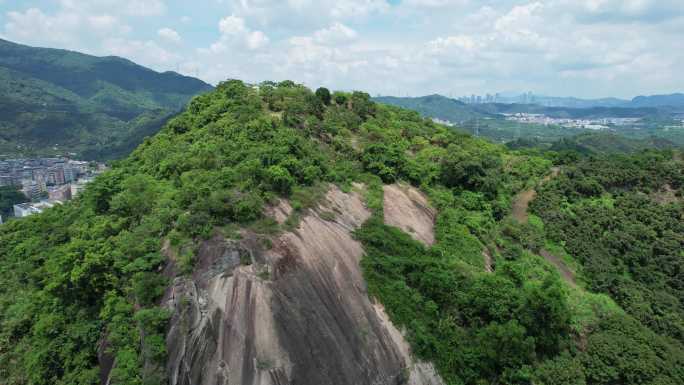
(413, 46)
(461, 42)
(622, 11)
(148, 52)
(169, 35)
(342, 9)
(256, 40)
(134, 8)
(34, 26)
(296, 15)
(435, 3)
(335, 34)
(235, 35)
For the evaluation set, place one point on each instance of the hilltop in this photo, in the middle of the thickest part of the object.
(59, 101)
(274, 235)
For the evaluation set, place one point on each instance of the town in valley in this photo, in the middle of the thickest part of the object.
(46, 182)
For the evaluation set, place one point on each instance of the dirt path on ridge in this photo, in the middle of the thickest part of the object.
(521, 204)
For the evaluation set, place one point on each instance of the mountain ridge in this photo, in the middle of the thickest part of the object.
(274, 235)
(100, 107)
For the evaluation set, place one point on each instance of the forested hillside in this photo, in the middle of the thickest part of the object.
(57, 101)
(622, 219)
(82, 282)
(594, 143)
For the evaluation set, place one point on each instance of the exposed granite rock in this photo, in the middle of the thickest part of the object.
(298, 314)
(407, 208)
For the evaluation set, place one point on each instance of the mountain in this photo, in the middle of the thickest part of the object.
(489, 120)
(57, 101)
(669, 100)
(672, 100)
(567, 102)
(270, 235)
(435, 106)
(441, 107)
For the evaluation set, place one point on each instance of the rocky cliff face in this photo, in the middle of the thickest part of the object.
(293, 313)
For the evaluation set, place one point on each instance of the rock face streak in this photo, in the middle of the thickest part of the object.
(297, 314)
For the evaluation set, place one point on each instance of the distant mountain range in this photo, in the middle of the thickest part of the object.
(436, 106)
(456, 111)
(58, 101)
(658, 126)
(670, 101)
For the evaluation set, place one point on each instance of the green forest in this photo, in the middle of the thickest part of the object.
(91, 270)
(54, 102)
(9, 196)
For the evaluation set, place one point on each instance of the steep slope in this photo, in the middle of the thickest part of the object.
(268, 235)
(637, 258)
(58, 101)
(298, 313)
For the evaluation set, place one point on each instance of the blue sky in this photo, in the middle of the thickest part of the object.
(586, 48)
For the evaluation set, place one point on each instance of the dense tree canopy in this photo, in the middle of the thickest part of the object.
(622, 218)
(88, 271)
(9, 196)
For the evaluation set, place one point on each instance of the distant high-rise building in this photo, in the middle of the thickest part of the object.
(60, 193)
(55, 176)
(32, 189)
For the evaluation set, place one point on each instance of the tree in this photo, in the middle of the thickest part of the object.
(324, 95)
(362, 104)
(340, 98)
(9, 196)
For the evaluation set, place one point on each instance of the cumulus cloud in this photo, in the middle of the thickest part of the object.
(623, 11)
(335, 34)
(99, 27)
(34, 26)
(435, 3)
(235, 35)
(169, 35)
(581, 47)
(146, 51)
(294, 15)
(125, 7)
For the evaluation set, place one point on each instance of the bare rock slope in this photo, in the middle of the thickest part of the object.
(407, 208)
(299, 313)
